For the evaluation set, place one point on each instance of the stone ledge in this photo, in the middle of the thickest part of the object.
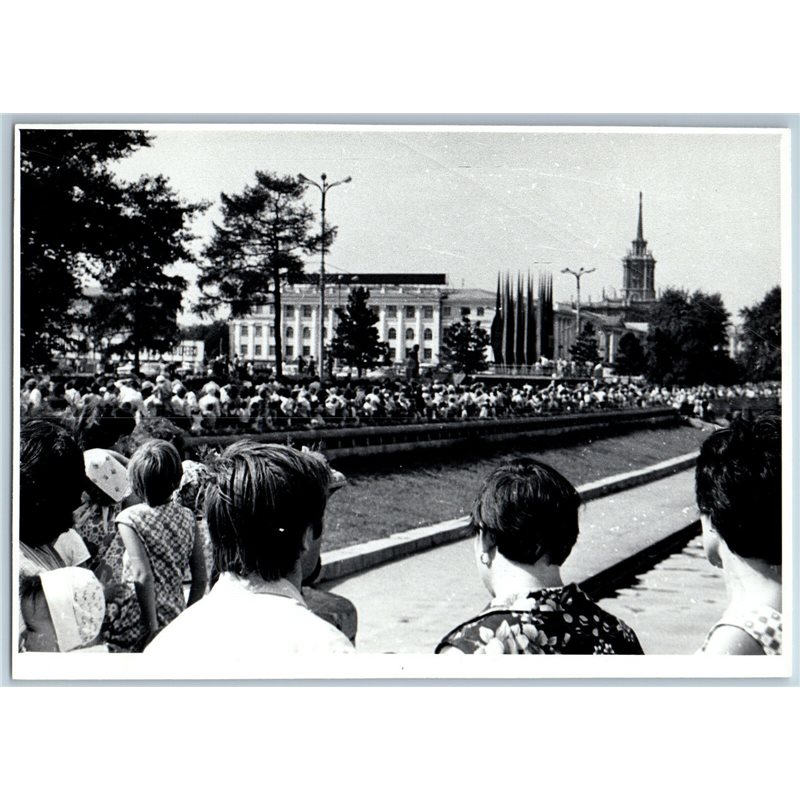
(359, 557)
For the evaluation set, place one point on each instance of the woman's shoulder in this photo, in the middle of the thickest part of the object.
(132, 514)
(747, 631)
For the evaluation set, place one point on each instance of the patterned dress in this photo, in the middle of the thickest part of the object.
(95, 525)
(763, 624)
(167, 533)
(554, 621)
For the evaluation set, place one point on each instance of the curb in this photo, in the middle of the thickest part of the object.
(360, 557)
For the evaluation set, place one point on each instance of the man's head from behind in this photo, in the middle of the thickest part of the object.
(263, 505)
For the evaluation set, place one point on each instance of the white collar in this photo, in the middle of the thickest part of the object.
(255, 584)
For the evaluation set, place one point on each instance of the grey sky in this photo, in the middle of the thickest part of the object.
(472, 203)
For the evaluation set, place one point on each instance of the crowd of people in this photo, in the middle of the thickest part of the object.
(161, 554)
(303, 403)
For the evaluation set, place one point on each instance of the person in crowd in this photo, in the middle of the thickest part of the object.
(525, 519)
(51, 482)
(63, 611)
(160, 544)
(738, 489)
(263, 505)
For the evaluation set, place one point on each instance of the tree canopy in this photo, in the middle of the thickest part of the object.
(356, 339)
(760, 358)
(214, 335)
(464, 347)
(585, 351)
(71, 207)
(630, 358)
(687, 343)
(259, 246)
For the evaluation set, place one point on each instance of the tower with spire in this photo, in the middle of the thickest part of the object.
(638, 268)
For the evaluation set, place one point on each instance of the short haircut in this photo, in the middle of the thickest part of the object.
(155, 471)
(738, 486)
(259, 503)
(51, 481)
(529, 510)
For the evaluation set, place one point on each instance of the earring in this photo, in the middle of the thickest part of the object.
(485, 560)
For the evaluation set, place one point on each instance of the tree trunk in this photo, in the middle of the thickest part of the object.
(276, 294)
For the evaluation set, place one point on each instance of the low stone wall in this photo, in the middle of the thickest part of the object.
(368, 441)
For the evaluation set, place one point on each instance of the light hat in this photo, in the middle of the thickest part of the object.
(106, 473)
(77, 605)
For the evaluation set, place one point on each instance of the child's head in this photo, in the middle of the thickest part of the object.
(155, 471)
(106, 477)
(63, 609)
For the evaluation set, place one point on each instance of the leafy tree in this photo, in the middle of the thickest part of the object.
(258, 248)
(760, 358)
(70, 212)
(141, 300)
(464, 347)
(585, 351)
(356, 339)
(630, 355)
(214, 335)
(687, 344)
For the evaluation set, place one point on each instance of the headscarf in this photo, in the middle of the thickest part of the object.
(77, 605)
(106, 473)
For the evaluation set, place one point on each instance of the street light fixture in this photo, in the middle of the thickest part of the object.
(323, 188)
(577, 275)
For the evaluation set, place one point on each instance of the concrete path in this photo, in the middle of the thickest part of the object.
(407, 606)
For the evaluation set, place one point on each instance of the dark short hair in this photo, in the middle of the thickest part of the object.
(260, 500)
(51, 481)
(529, 510)
(738, 486)
(155, 471)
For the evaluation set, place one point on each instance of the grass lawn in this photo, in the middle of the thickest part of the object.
(405, 491)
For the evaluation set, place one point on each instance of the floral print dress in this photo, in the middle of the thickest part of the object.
(558, 621)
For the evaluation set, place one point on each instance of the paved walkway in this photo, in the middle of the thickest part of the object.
(408, 605)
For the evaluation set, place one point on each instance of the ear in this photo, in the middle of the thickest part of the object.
(486, 541)
(712, 542)
(308, 538)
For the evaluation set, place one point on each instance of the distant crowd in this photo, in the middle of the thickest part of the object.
(260, 406)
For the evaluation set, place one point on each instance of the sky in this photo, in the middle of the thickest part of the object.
(473, 203)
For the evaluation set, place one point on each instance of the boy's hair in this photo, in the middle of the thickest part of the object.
(155, 471)
(738, 486)
(260, 501)
(529, 510)
(51, 481)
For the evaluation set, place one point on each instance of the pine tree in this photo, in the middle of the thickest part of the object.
(630, 355)
(356, 339)
(464, 347)
(585, 351)
(258, 249)
(760, 359)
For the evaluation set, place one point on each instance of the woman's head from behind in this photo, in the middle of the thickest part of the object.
(51, 481)
(263, 505)
(738, 489)
(528, 511)
(154, 471)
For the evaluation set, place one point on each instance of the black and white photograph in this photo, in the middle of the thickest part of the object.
(357, 401)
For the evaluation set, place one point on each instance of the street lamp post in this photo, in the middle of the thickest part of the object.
(323, 188)
(578, 275)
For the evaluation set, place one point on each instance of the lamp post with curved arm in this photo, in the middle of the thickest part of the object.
(578, 275)
(323, 188)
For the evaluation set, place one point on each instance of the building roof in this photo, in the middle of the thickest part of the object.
(379, 278)
(471, 295)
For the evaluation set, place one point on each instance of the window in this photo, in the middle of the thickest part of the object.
(257, 350)
(289, 350)
(258, 310)
(446, 311)
(290, 332)
(464, 311)
(392, 333)
(272, 350)
(271, 331)
(307, 312)
(393, 353)
(288, 312)
(243, 330)
(427, 312)
(259, 331)
(409, 351)
(243, 350)
(270, 311)
(427, 354)
(324, 334)
(306, 350)
(306, 333)
(479, 311)
(391, 312)
(428, 335)
(410, 312)
(409, 334)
